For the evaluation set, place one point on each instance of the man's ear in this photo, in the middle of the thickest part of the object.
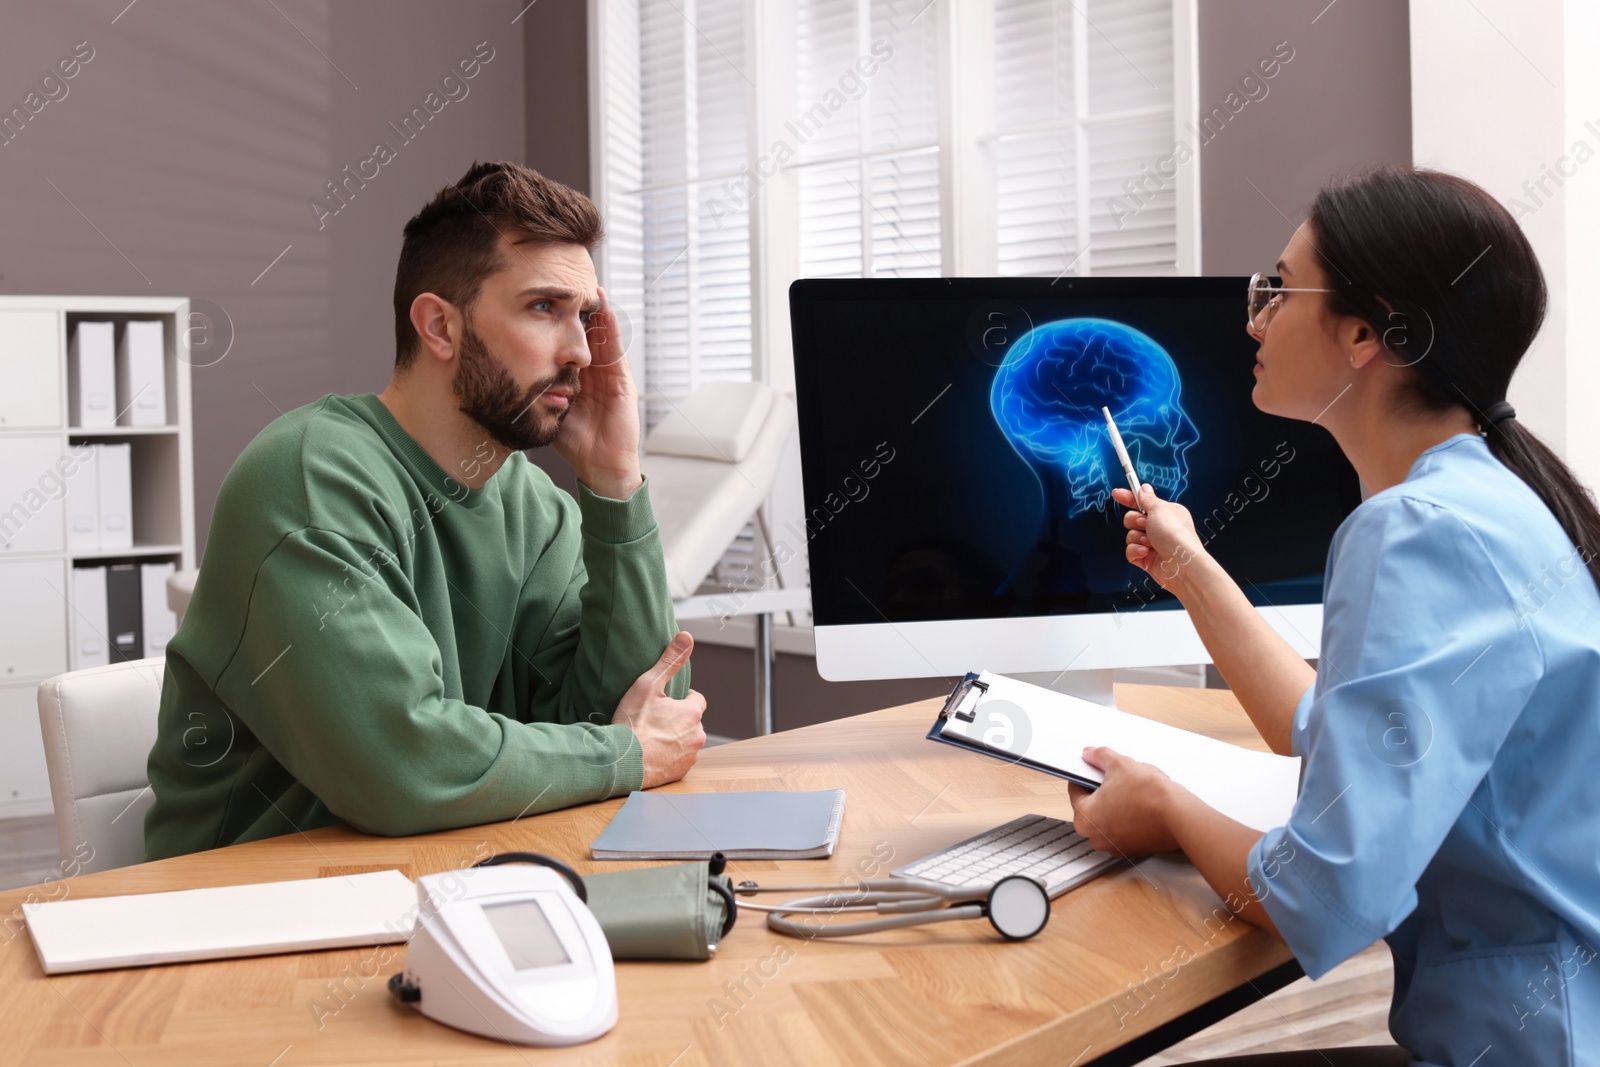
(438, 325)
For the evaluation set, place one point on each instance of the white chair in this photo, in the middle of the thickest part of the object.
(711, 464)
(99, 725)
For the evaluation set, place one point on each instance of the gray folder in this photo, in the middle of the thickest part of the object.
(772, 824)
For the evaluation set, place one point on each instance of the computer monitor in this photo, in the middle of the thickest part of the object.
(957, 473)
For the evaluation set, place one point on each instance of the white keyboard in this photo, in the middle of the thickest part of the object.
(1048, 850)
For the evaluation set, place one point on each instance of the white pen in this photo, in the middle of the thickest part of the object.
(1122, 454)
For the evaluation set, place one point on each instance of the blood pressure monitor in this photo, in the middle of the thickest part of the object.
(510, 953)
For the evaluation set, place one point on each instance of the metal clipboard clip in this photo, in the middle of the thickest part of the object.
(964, 698)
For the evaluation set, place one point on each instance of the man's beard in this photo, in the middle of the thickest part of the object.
(488, 395)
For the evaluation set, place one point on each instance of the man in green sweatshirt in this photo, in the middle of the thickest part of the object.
(402, 624)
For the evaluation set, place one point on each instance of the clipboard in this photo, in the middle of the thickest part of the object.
(1043, 730)
(962, 704)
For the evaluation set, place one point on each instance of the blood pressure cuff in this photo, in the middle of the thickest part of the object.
(676, 912)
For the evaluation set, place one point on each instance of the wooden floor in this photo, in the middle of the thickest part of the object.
(1347, 1006)
(28, 851)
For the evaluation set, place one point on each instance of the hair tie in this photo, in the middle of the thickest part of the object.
(1495, 414)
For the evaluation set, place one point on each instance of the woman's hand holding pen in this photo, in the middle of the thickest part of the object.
(1264, 672)
(1161, 541)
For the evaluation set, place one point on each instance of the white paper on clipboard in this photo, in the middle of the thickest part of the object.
(1025, 721)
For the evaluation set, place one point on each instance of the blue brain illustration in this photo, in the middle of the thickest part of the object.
(1047, 397)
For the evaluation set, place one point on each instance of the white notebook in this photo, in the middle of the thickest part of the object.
(93, 934)
(1048, 731)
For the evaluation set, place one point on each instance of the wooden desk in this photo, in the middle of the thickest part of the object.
(1128, 964)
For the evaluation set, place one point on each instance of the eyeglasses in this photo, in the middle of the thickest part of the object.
(1263, 300)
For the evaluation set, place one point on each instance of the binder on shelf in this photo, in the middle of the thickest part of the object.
(83, 503)
(92, 375)
(124, 612)
(90, 648)
(160, 623)
(141, 375)
(114, 470)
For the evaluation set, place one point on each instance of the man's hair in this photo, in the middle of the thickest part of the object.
(453, 243)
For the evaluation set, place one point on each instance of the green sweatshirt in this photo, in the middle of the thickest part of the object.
(370, 642)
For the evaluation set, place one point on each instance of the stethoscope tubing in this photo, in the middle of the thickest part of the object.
(900, 901)
(901, 888)
(883, 902)
(800, 929)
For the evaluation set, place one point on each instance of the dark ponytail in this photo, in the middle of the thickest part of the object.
(1443, 273)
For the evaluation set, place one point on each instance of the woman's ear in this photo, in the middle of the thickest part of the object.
(1360, 341)
(1394, 343)
(437, 324)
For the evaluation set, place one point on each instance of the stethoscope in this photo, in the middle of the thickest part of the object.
(1017, 906)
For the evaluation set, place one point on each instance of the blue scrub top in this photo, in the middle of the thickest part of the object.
(1450, 774)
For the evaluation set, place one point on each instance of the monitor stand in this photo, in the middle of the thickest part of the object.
(1087, 685)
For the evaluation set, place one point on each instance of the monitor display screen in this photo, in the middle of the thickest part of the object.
(957, 464)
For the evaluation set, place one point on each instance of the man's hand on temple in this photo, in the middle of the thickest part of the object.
(668, 729)
(599, 437)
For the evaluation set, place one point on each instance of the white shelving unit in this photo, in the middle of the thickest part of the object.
(37, 626)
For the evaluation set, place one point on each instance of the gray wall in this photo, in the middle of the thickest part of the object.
(1342, 102)
(555, 42)
(191, 144)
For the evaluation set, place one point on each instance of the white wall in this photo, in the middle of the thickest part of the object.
(1341, 104)
(1500, 93)
(1582, 194)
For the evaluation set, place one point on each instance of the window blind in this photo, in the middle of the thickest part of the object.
(620, 169)
(694, 105)
(1084, 104)
(868, 168)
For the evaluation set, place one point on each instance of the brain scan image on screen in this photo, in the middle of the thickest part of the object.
(1047, 397)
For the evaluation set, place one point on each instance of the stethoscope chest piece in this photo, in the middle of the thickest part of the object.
(1018, 907)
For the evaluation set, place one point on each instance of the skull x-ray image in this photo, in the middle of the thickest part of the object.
(1047, 398)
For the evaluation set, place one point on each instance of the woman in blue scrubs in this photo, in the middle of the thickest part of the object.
(1450, 733)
